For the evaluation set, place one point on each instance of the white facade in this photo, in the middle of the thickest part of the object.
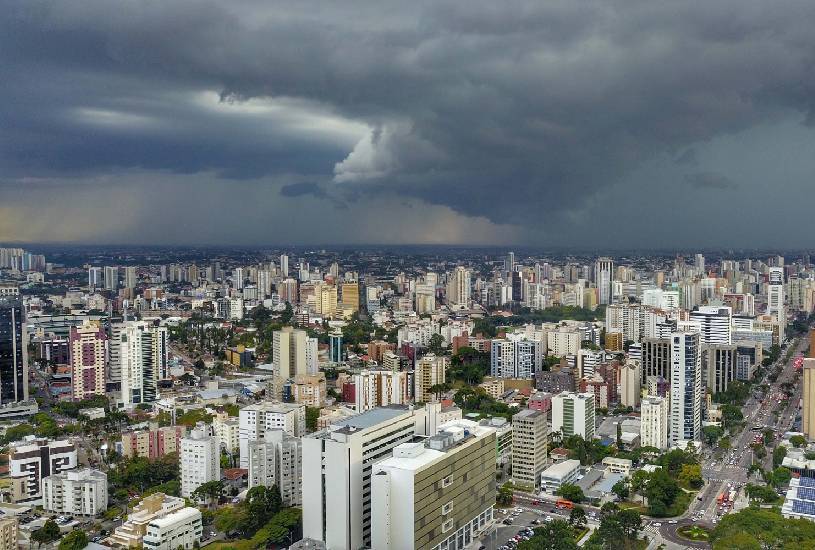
(686, 387)
(515, 357)
(715, 324)
(179, 529)
(82, 492)
(561, 473)
(277, 459)
(563, 341)
(227, 430)
(573, 414)
(30, 459)
(143, 360)
(775, 299)
(654, 422)
(380, 387)
(256, 419)
(603, 276)
(200, 459)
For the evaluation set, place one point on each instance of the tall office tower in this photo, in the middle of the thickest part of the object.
(573, 414)
(193, 274)
(293, 353)
(277, 459)
(603, 277)
(719, 366)
(256, 419)
(339, 514)
(430, 370)
(530, 434)
(130, 277)
(775, 299)
(238, 278)
(515, 357)
(629, 383)
(327, 301)
(335, 350)
(715, 324)
(509, 264)
(654, 422)
(287, 289)
(656, 358)
(808, 396)
(699, 263)
(111, 278)
(95, 277)
(143, 360)
(265, 284)
(200, 459)
(380, 387)
(425, 299)
(686, 387)
(88, 345)
(435, 494)
(13, 352)
(350, 297)
(284, 265)
(458, 288)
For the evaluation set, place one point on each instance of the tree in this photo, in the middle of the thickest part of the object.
(75, 540)
(798, 441)
(577, 517)
(261, 504)
(49, 532)
(778, 455)
(661, 492)
(554, 535)
(436, 344)
(755, 528)
(725, 443)
(712, 434)
(691, 476)
(312, 415)
(505, 495)
(621, 489)
(209, 491)
(638, 482)
(571, 492)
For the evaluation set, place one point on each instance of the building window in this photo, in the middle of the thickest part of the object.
(447, 481)
(447, 525)
(447, 508)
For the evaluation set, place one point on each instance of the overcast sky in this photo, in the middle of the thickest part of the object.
(608, 123)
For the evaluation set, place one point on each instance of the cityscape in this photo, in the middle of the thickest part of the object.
(429, 275)
(404, 398)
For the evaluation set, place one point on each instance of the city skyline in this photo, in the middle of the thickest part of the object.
(544, 123)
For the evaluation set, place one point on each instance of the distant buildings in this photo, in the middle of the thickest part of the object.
(88, 346)
(13, 350)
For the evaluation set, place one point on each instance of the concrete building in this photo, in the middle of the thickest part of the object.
(131, 533)
(337, 468)
(715, 324)
(256, 419)
(530, 435)
(277, 459)
(380, 387)
(81, 492)
(775, 300)
(88, 345)
(686, 387)
(573, 414)
(179, 529)
(13, 349)
(563, 341)
(629, 383)
(32, 459)
(430, 370)
(808, 396)
(604, 278)
(719, 366)
(152, 443)
(142, 359)
(654, 422)
(437, 494)
(200, 459)
(515, 357)
(656, 358)
(306, 389)
(9, 528)
(559, 474)
(227, 429)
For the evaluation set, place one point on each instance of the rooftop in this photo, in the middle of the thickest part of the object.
(560, 469)
(371, 418)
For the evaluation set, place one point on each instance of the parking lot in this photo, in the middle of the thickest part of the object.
(511, 524)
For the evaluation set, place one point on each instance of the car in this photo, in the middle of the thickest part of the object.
(508, 521)
(536, 521)
(548, 518)
(518, 510)
(657, 524)
(673, 521)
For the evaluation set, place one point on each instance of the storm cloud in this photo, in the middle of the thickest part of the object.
(521, 115)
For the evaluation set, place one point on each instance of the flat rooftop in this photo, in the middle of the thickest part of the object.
(370, 418)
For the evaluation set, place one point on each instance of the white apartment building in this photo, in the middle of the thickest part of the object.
(81, 492)
(429, 371)
(380, 387)
(337, 469)
(775, 299)
(686, 387)
(563, 341)
(179, 529)
(435, 495)
(200, 459)
(32, 459)
(277, 459)
(654, 422)
(559, 474)
(530, 435)
(256, 419)
(715, 324)
(573, 414)
(515, 356)
(227, 429)
(142, 359)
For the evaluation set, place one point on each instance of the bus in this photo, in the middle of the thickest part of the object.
(562, 504)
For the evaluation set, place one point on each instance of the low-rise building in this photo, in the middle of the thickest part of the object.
(32, 459)
(152, 443)
(81, 492)
(620, 466)
(8, 533)
(559, 474)
(131, 533)
(306, 389)
(179, 529)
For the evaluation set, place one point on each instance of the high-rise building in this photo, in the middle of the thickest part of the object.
(350, 297)
(238, 278)
(719, 366)
(604, 279)
(81, 492)
(340, 514)
(256, 419)
(277, 459)
(430, 371)
(515, 357)
(509, 264)
(143, 354)
(686, 387)
(775, 299)
(715, 324)
(152, 443)
(530, 435)
(335, 351)
(131, 277)
(111, 278)
(629, 383)
(458, 288)
(656, 358)
(200, 459)
(95, 277)
(284, 265)
(654, 422)
(808, 396)
(9, 529)
(13, 351)
(380, 387)
(88, 352)
(435, 494)
(31, 460)
(573, 414)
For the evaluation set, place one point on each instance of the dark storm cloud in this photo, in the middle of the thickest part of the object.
(302, 188)
(710, 180)
(515, 111)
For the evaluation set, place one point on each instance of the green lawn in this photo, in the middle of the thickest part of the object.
(680, 504)
(694, 532)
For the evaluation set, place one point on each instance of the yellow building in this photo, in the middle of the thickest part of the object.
(350, 296)
(8, 533)
(493, 386)
(808, 394)
(614, 341)
(309, 390)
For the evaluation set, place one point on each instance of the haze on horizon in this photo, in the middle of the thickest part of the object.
(624, 124)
